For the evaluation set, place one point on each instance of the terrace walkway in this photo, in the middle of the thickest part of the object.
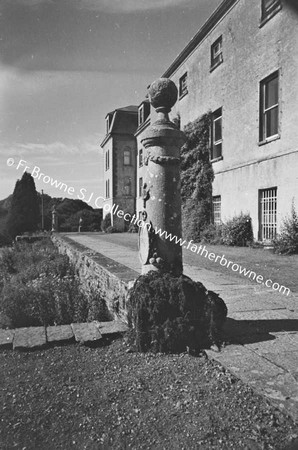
(262, 326)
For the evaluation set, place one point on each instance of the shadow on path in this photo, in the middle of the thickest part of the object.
(253, 331)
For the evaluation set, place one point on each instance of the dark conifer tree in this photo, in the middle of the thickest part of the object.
(24, 213)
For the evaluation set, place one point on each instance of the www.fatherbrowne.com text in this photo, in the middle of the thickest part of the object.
(115, 210)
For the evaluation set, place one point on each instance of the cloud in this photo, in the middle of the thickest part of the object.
(88, 147)
(128, 6)
(111, 6)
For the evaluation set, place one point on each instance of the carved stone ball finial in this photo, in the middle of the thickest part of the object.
(163, 94)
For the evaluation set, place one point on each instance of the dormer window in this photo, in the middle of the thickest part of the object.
(107, 124)
(269, 9)
(143, 113)
(216, 53)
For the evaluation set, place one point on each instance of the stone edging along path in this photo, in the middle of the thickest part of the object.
(38, 337)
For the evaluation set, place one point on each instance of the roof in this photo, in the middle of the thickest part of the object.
(128, 109)
(222, 9)
(122, 121)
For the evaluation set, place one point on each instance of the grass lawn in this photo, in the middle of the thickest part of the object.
(278, 268)
(74, 397)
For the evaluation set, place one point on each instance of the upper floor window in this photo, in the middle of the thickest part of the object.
(216, 53)
(127, 156)
(183, 85)
(269, 107)
(140, 157)
(216, 135)
(270, 8)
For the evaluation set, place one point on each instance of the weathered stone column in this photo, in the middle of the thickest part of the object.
(162, 200)
(54, 219)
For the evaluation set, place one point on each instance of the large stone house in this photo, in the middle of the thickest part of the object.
(120, 154)
(242, 65)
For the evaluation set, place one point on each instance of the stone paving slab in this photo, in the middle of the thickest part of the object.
(246, 364)
(59, 333)
(86, 332)
(278, 345)
(112, 327)
(287, 360)
(6, 338)
(29, 338)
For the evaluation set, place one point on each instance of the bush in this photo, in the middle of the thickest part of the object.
(169, 314)
(287, 241)
(111, 229)
(212, 234)
(133, 228)
(237, 231)
(106, 222)
(4, 240)
(40, 287)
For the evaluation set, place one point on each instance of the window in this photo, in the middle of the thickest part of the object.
(216, 208)
(107, 188)
(270, 8)
(267, 213)
(127, 186)
(108, 124)
(107, 160)
(140, 187)
(127, 157)
(269, 107)
(216, 135)
(216, 53)
(183, 85)
(144, 111)
(140, 157)
(141, 114)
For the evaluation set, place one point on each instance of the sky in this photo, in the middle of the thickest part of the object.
(64, 64)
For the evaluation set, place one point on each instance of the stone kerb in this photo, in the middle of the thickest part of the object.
(97, 272)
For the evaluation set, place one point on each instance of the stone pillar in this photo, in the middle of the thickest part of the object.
(54, 219)
(161, 194)
(80, 224)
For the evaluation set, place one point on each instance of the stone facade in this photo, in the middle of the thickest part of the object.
(120, 154)
(224, 69)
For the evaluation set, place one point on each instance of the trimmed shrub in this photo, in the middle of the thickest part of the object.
(106, 222)
(287, 241)
(168, 314)
(237, 231)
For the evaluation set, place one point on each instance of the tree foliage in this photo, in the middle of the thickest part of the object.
(196, 177)
(24, 213)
